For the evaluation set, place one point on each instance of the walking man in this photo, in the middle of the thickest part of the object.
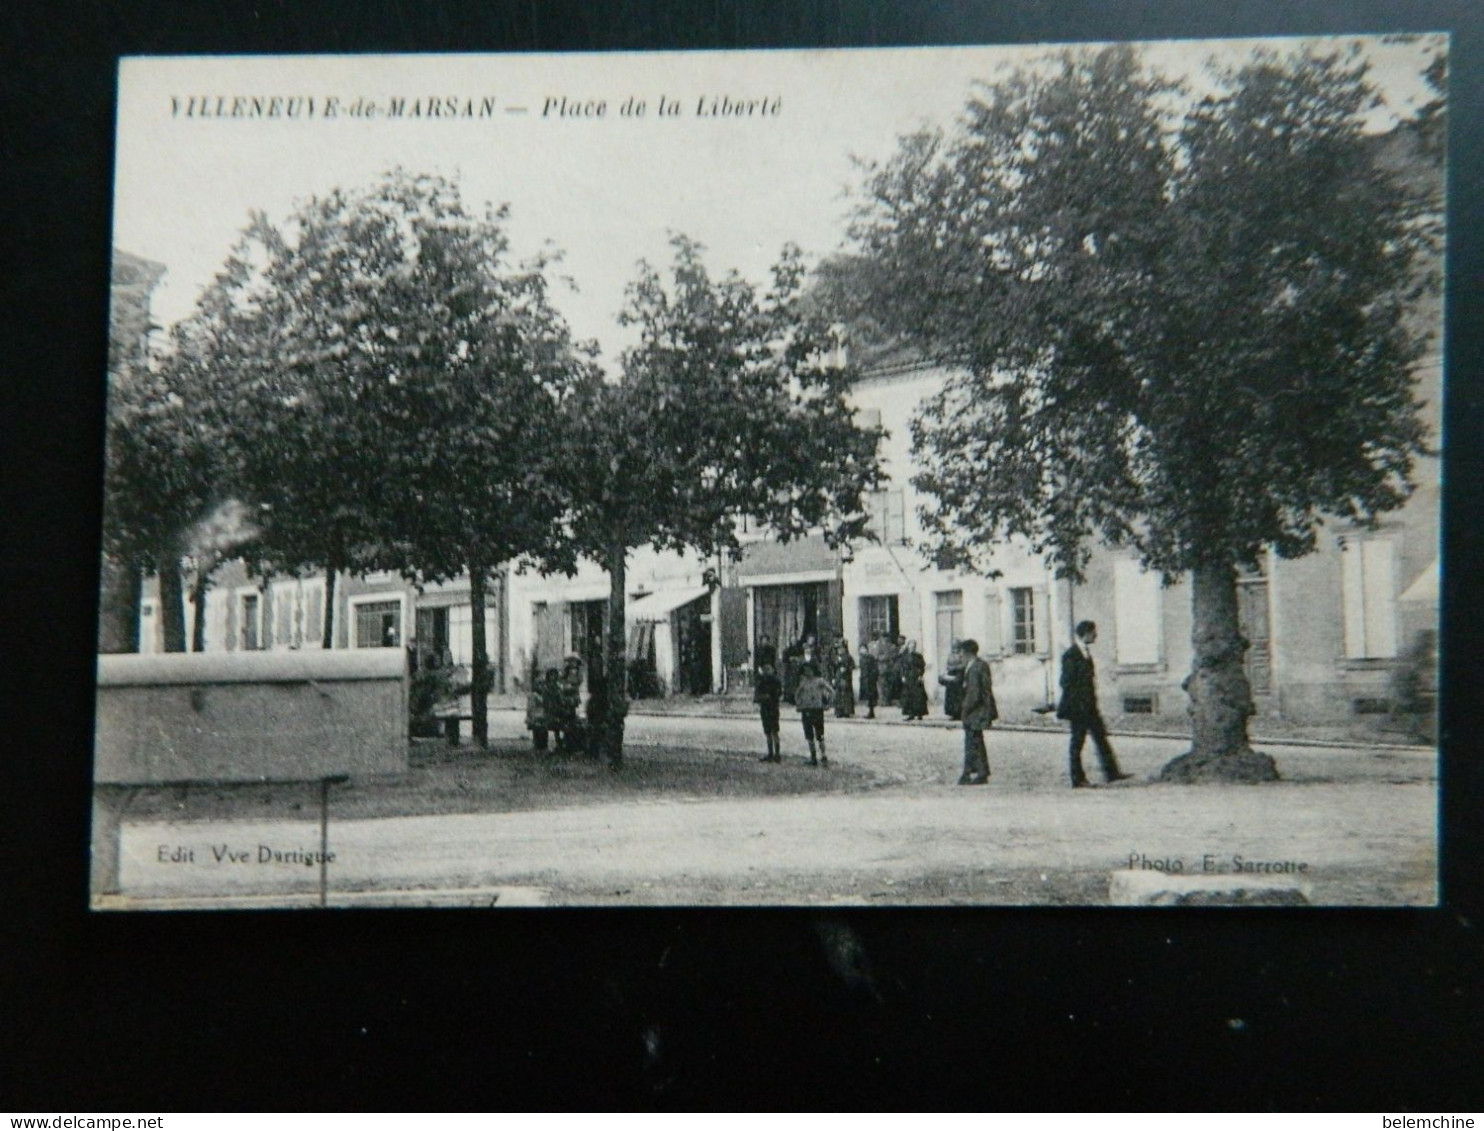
(1079, 706)
(979, 711)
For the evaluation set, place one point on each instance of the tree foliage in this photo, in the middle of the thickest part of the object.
(1176, 323)
(1186, 335)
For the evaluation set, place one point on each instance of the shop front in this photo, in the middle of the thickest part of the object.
(669, 643)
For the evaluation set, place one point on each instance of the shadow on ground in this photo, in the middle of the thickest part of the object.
(508, 777)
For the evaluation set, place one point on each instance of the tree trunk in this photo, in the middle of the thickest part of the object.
(615, 661)
(118, 606)
(198, 602)
(328, 640)
(172, 602)
(479, 691)
(1220, 695)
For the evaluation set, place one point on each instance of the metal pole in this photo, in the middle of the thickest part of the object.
(324, 834)
(324, 842)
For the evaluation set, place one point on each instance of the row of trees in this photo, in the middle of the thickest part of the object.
(381, 387)
(1177, 324)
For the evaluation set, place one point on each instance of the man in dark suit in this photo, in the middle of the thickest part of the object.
(978, 712)
(1079, 706)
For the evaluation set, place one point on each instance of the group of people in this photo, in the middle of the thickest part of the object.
(891, 675)
(968, 697)
(554, 708)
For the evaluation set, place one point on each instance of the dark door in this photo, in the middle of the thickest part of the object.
(693, 629)
(588, 618)
(1252, 619)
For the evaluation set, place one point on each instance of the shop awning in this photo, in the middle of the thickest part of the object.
(1425, 589)
(658, 606)
(575, 594)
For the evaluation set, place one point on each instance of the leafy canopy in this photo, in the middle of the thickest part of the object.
(728, 406)
(1179, 324)
(393, 382)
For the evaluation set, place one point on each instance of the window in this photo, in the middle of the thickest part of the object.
(888, 511)
(1022, 621)
(461, 633)
(1138, 704)
(251, 630)
(297, 613)
(1368, 585)
(950, 623)
(878, 615)
(378, 624)
(1137, 623)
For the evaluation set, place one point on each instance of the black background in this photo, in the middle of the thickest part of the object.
(999, 1009)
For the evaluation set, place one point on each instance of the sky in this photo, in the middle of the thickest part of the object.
(605, 189)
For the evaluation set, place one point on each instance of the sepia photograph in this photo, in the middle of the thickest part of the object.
(900, 477)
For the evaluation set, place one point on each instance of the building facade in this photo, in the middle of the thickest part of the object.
(1331, 634)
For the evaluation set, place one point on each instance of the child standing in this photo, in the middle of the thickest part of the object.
(766, 694)
(812, 697)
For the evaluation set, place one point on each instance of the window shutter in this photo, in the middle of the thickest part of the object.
(461, 634)
(878, 505)
(493, 645)
(314, 617)
(1352, 595)
(1136, 607)
(230, 599)
(1040, 611)
(1378, 557)
(897, 501)
(993, 642)
(216, 621)
(283, 615)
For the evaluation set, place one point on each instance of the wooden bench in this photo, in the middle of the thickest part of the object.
(451, 721)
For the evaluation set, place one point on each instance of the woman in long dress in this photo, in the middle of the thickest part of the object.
(870, 681)
(844, 674)
(914, 694)
(953, 683)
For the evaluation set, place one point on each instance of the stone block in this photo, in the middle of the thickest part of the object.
(256, 716)
(1132, 887)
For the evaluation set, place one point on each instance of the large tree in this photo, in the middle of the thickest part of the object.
(162, 474)
(1177, 322)
(395, 382)
(730, 405)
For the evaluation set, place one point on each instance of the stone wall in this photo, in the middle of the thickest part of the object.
(223, 717)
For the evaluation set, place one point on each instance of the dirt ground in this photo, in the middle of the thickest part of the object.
(695, 818)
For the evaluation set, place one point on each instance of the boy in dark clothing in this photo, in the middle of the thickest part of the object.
(766, 694)
(813, 696)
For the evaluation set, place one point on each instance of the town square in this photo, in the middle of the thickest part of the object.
(992, 476)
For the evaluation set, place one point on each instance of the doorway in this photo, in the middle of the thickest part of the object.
(693, 646)
(1253, 621)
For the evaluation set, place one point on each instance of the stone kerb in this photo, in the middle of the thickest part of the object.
(1140, 888)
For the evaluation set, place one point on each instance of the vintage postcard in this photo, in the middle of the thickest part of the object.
(903, 477)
